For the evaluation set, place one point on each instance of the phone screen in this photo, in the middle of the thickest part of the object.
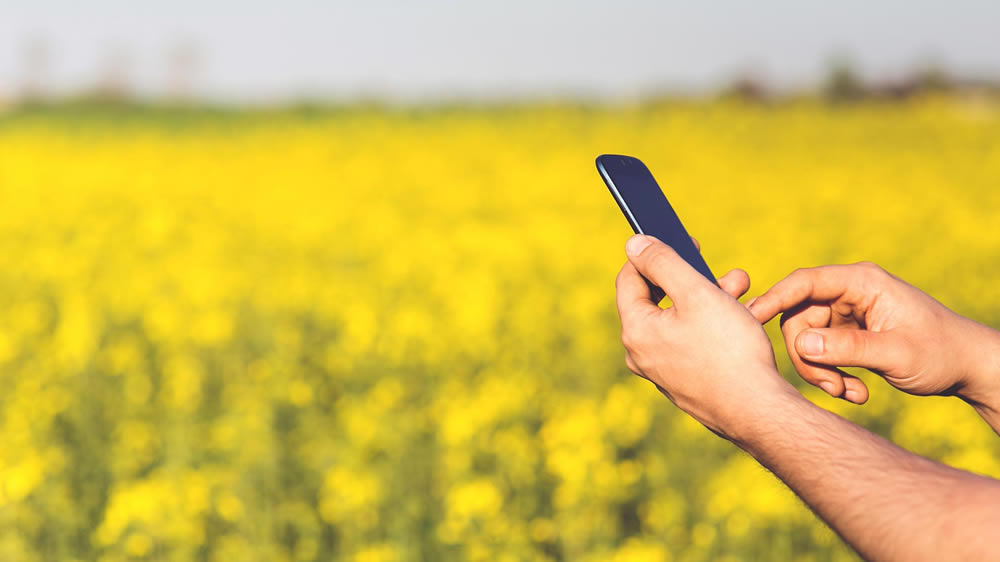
(646, 208)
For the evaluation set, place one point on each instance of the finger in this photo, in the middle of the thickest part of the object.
(736, 283)
(845, 347)
(832, 380)
(823, 283)
(660, 264)
(696, 244)
(855, 389)
(633, 296)
(828, 378)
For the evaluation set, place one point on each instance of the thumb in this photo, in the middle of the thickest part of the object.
(843, 347)
(660, 264)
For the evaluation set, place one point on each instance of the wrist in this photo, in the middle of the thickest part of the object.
(760, 418)
(981, 388)
(785, 415)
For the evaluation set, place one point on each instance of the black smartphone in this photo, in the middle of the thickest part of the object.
(647, 210)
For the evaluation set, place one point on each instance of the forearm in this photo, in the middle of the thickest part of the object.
(889, 504)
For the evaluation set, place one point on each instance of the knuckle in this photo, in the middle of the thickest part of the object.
(800, 273)
(620, 279)
(806, 372)
(636, 335)
(799, 277)
(870, 267)
(810, 376)
(658, 259)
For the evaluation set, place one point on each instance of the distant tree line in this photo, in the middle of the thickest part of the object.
(844, 84)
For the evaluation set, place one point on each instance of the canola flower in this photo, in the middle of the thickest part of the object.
(390, 335)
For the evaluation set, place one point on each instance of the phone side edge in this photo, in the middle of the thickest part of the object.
(618, 197)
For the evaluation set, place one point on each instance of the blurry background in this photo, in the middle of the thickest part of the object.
(319, 281)
(272, 52)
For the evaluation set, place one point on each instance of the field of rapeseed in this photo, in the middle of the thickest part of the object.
(382, 335)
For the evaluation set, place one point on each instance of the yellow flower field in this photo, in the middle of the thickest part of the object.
(376, 335)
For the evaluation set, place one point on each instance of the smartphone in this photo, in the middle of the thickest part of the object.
(647, 210)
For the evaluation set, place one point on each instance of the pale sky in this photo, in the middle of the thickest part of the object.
(259, 52)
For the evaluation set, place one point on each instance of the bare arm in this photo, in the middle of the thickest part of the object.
(986, 401)
(711, 357)
(887, 503)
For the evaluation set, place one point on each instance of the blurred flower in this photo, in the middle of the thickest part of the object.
(382, 335)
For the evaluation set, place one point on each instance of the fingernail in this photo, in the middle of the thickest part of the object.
(751, 301)
(637, 244)
(852, 396)
(811, 343)
(828, 387)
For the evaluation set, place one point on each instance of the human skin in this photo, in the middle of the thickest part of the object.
(710, 356)
(860, 315)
